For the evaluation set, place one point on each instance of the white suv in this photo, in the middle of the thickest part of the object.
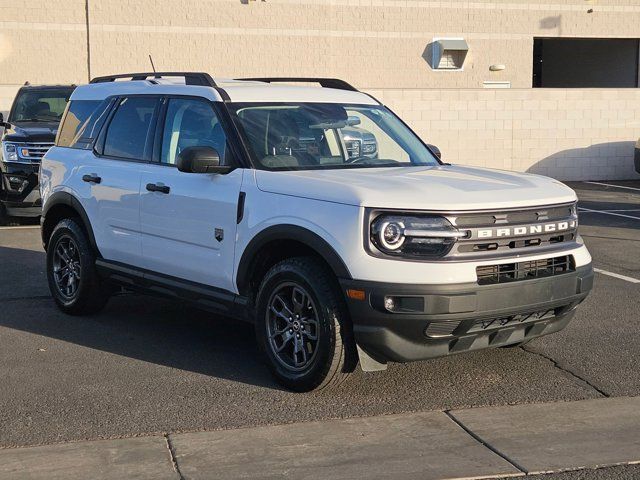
(244, 197)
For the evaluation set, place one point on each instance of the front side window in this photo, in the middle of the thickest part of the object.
(328, 136)
(190, 123)
(41, 105)
(129, 133)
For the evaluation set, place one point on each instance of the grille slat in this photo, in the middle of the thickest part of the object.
(512, 272)
(34, 150)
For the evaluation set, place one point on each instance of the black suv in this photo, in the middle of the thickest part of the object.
(27, 134)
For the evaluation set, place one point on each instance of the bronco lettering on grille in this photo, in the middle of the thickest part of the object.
(523, 230)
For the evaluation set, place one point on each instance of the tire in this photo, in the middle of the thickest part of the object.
(304, 287)
(4, 218)
(85, 293)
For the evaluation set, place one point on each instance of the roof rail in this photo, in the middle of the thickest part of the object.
(324, 82)
(190, 78)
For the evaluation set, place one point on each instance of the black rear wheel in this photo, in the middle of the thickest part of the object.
(73, 280)
(302, 326)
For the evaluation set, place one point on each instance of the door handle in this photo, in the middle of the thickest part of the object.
(154, 187)
(93, 178)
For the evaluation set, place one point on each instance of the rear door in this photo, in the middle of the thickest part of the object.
(112, 176)
(188, 220)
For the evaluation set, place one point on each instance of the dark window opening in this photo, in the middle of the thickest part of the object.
(129, 132)
(585, 63)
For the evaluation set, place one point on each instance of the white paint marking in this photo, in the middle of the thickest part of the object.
(617, 275)
(622, 210)
(615, 186)
(607, 213)
(20, 227)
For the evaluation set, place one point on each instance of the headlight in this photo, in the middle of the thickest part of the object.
(413, 236)
(369, 148)
(9, 152)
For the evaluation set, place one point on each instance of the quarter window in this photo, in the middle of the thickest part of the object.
(82, 123)
(129, 132)
(190, 123)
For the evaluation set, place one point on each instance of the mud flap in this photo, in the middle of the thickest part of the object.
(368, 364)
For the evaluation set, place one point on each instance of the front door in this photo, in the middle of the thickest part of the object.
(188, 220)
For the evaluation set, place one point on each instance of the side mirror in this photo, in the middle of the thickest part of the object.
(353, 120)
(201, 160)
(2, 123)
(435, 150)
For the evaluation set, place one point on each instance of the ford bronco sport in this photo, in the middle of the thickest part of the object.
(244, 197)
(27, 134)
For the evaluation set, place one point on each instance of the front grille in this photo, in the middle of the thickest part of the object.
(502, 322)
(514, 217)
(512, 272)
(464, 328)
(33, 151)
(508, 232)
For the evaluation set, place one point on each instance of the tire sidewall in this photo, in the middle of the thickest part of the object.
(69, 228)
(317, 370)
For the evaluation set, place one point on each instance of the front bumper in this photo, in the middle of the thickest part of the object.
(19, 189)
(438, 320)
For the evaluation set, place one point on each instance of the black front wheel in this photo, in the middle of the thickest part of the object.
(73, 280)
(302, 326)
(4, 218)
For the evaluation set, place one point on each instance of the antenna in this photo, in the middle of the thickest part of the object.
(152, 65)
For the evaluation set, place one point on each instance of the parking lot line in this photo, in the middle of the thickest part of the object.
(617, 275)
(19, 227)
(622, 210)
(607, 213)
(616, 186)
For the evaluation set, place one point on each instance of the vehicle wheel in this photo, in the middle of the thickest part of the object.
(4, 218)
(73, 281)
(302, 326)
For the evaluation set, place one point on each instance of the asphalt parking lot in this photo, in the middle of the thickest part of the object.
(147, 366)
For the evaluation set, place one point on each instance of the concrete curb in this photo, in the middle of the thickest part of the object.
(491, 442)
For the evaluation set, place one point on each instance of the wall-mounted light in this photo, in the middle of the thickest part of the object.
(497, 67)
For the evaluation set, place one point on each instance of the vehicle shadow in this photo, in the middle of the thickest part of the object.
(590, 163)
(146, 328)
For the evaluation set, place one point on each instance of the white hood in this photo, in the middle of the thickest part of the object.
(443, 188)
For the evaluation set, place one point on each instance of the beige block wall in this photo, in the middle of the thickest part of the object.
(378, 45)
(581, 134)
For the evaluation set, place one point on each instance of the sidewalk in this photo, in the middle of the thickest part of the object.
(493, 442)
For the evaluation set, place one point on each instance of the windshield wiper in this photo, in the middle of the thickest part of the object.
(29, 120)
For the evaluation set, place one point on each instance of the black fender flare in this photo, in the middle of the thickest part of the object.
(65, 198)
(289, 232)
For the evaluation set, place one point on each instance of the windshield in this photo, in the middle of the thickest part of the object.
(304, 136)
(41, 105)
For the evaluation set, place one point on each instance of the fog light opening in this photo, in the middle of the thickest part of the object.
(389, 304)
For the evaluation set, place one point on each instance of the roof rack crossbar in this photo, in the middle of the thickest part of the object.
(190, 78)
(324, 82)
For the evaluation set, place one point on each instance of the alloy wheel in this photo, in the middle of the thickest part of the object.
(66, 267)
(292, 326)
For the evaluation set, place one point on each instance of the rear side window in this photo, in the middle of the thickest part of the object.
(129, 133)
(82, 123)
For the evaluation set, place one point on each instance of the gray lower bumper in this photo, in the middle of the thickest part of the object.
(439, 320)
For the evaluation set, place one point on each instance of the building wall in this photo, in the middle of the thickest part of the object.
(378, 45)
